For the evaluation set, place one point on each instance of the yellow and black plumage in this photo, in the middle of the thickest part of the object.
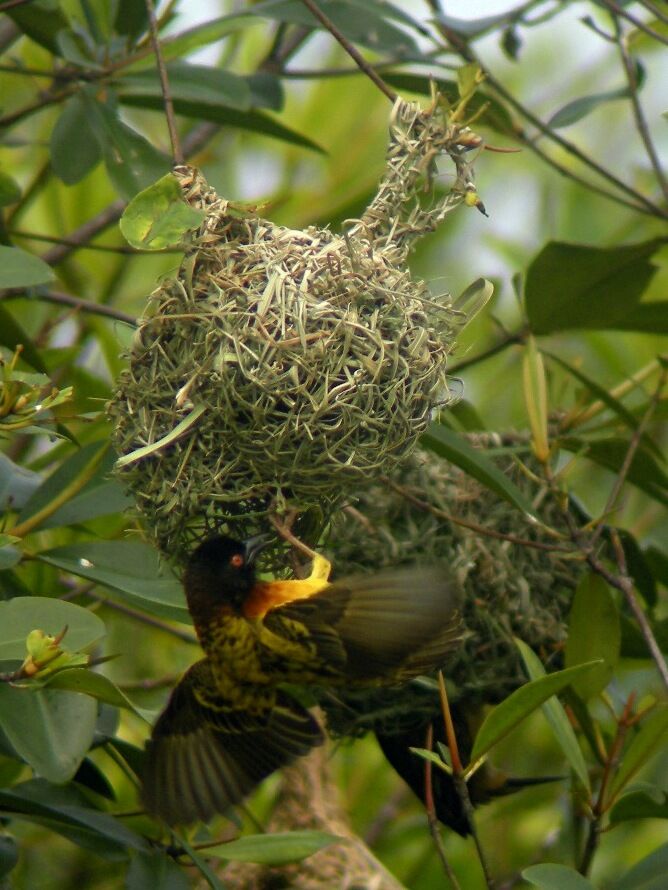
(228, 724)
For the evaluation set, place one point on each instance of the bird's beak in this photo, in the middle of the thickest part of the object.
(253, 547)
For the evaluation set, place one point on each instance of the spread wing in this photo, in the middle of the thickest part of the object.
(389, 625)
(206, 754)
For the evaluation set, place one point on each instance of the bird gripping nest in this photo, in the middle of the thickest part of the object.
(279, 368)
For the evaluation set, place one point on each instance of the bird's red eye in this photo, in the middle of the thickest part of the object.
(237, 560)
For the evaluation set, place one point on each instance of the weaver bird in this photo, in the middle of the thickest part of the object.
(228, 723)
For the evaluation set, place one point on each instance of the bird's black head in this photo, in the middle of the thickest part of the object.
(221, 571)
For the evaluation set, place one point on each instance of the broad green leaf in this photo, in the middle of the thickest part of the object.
(18, 268)
(77, 679)
(75, 150)
(62, 486)
(274, 849)
(17, 484)
(251, 121)
(131, 18)
(593, 632)
(128, 567)
(580, 286)
(650, 318)
(266, 90)
(648, 874)
(649, 804)
(653, 733)
(157, 871)
(519, 704)
(645, 472)
(556, 717)
(101, 497)
(467, 79)
(159, 216)
(452, 447)
(64, 810)
(41, 20)
(132, 162)
(191, 83)
(551, 876)
(19, 616)
(50, 730)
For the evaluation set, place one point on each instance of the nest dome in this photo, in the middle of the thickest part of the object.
(279, 368)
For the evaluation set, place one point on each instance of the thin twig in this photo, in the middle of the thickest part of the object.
(359, 60)
(626, 586)
(651, 7)
(177, 151)
(638, 113)
(288, 536)
(637, 23)
(473, 526)
(105, 248)
(75, 302)
(432, 818)
(467, 53)
(460, 781)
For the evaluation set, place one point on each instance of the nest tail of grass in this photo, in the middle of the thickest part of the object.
(279, 368)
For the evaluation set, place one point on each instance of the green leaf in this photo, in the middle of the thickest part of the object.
(202, 865)
(41, 20)
(649, 804)
(653, 733)
(456, 449)
(50, 730)
(551, 876)
(132, 162)
(519, 704)
(432, 757)
(648, 874)
(159, 216)
(535, 398)
(131, 18)
(274, 849)
(17, 484)
(9, 854)
(556, 717)
(156, 870)
(78, 679)
(593, 632)
(23, 614)
(18, 268)
(75, 150)
(128, 567)
(63, 485)
(65, 811)
(251, 121)
(580, 286)
(577, 109)
(190, 83)
(649, 318)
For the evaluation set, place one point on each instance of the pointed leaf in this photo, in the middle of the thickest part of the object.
(191, 83)
(652, 734)
(74, 149)
(640, 805)
(96, 685)
(556, 717)
(274, 849)
(18, 268)
(524, 701)
(593, 632)
(551, 876)
(452, 447)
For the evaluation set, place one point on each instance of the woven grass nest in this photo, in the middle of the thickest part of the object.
(279, 368)
(509, 589)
